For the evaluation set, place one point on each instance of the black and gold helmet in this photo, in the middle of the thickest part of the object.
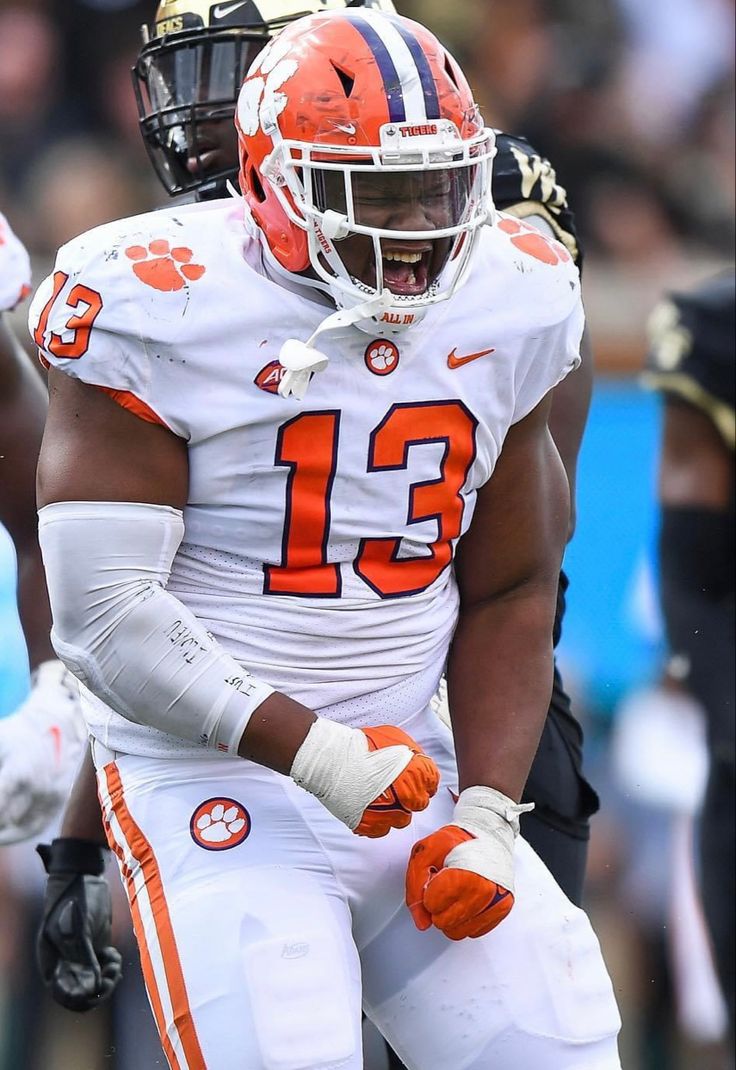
(188, 75)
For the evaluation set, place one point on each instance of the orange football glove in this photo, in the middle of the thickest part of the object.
(458, 902)
(407, 794)
(371, 779)
(460, 878)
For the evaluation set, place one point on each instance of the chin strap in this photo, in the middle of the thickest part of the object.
(302, 360)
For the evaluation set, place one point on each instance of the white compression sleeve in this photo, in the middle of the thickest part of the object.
(125, 637)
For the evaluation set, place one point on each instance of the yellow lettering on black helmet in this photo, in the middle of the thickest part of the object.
(169, 26)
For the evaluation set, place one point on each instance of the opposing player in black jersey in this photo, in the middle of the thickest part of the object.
(693, 363)
(186, 80)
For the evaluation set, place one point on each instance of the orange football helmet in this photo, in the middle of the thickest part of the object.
(361, 123)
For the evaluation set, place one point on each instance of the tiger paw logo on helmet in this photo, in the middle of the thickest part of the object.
(260, 102)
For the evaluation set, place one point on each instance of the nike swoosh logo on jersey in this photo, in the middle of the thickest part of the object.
(223, 10)
(453, 361)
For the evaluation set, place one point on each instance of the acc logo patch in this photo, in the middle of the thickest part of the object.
(268, 378)
(219, 824)
(382, 357)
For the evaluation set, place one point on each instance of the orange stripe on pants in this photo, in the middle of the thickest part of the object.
(142, 852)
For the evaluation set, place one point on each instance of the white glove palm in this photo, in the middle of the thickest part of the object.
(40, 748)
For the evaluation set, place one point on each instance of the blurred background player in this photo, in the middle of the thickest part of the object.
(41, 742)
(693, 364)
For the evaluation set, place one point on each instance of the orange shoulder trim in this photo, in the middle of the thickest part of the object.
(133, 404)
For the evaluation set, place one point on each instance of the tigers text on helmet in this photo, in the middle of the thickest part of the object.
(364, 159)
(188, 75)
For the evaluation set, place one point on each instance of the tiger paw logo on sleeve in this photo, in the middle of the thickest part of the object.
(162, 267)
(529, 240)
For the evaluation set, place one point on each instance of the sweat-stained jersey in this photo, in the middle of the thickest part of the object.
(15, 268)
(319, 534)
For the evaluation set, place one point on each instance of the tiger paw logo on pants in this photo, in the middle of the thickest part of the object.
(219, 824)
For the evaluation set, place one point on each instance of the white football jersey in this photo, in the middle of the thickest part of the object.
(319, 533)
(15, 268)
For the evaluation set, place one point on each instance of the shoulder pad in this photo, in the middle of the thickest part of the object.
(523, 280)
(525, 184)
(119, 287)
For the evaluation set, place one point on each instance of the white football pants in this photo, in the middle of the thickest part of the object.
(263, 924)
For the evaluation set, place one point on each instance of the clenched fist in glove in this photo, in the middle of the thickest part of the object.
(77, 962)
(372, 779)
(461, 878)
(40, 748)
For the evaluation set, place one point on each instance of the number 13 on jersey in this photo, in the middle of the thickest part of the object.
(308, 447)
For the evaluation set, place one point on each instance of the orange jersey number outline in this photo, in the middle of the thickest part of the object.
(308, 446)
(80, 324)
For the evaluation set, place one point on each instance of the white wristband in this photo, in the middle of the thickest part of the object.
(493, 819)
(335, 765)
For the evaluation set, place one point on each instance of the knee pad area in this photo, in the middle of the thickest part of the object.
(301, 1011)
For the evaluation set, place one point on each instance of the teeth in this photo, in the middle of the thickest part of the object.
(411, 279)
(403, 258)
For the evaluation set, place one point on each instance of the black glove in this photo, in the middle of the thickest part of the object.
(78, 965)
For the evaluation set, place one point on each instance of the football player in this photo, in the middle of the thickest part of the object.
(286, 416)
(41, 742)
(187, 78)
(692, 363)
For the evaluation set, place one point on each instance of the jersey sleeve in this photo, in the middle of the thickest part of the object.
(691, 354)
(89, 320)
(525, 185)
(15, 268)
(548, 356)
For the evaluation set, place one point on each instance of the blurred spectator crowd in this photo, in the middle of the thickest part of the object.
(633, 102)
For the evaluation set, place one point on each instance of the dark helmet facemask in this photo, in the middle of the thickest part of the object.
(186, 84)
(188, 75)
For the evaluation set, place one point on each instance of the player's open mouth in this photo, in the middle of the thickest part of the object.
(406, 269)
